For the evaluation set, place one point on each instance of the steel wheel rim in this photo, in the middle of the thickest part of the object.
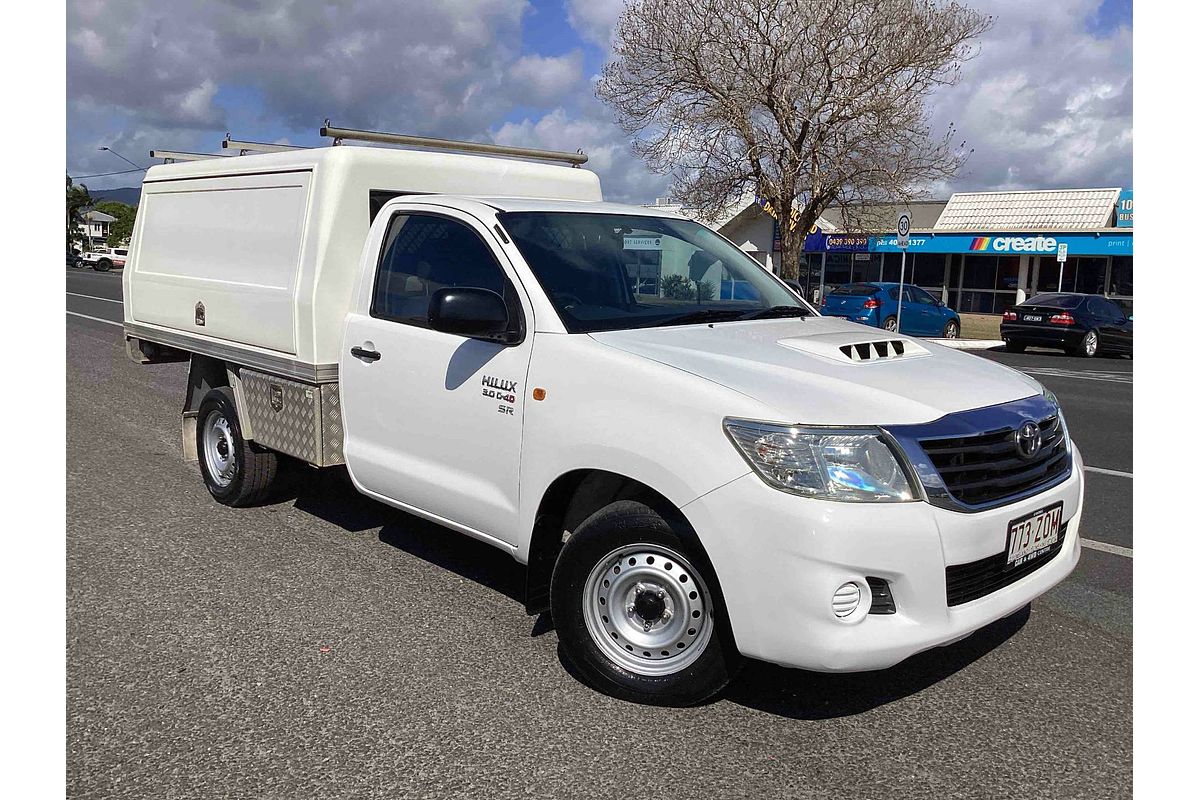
(889, 325)
(639, 579)
(1089, 343)
(951, 331)
(218, 449)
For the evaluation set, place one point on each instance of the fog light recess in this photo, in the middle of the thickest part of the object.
(846, 600)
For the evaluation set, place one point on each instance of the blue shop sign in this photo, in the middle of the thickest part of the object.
(1011, 244)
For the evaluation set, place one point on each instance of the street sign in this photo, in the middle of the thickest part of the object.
(903, 223)
(1062, 252)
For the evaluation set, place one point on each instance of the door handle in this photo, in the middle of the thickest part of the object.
(365, 355)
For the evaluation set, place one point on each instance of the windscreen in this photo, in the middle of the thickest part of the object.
(614, 271)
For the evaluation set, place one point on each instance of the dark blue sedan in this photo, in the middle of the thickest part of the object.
(878, 304)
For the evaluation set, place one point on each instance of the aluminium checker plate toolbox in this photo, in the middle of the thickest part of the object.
(300, 419)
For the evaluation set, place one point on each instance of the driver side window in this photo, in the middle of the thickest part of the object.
(423, 253)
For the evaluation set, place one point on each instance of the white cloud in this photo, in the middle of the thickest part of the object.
(548, 78)
(623, 177)
(594, 20)
(1046, 104)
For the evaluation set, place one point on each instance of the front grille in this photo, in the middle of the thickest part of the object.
(967, 582)
(986, 468)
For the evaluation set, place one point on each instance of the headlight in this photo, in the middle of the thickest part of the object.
(849, 464)
(1062, 418)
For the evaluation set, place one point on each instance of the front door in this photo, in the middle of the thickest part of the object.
(920, 316)
(433, 420)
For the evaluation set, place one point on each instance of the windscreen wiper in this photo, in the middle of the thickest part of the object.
(777, 312)
(704, 315)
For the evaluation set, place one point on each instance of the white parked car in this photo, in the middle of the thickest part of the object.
(693, 463)
(102, 259)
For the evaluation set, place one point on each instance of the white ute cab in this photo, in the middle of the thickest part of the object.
(693, 463)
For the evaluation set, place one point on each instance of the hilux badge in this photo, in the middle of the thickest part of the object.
(1028, 439)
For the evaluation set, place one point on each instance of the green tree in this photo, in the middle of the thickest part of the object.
(122, 227)
(78, 199)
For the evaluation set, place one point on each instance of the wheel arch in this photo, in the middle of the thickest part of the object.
(204, 374)
(573, 497)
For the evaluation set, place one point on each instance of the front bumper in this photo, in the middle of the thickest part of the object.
(779, 558)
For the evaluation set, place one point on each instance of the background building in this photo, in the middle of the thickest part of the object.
(981, 252)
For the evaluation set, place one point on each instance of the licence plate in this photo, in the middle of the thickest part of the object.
(1032, 535)
(1033, 318)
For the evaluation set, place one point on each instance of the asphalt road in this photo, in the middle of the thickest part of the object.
(329, 646)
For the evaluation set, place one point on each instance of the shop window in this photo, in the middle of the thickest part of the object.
(979, 272)
(976, 302)
(891, 268)
(1048, 275)
(865, 267)
(927, 269)
(1120, 282)
(1070, 268)
(1004, 301)
(1089, 275)
(1007, 271)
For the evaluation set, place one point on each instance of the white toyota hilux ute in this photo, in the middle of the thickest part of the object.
(694, 464)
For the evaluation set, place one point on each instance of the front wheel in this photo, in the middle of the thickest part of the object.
(236, 472)
(889, 324)
(950, 331)
(1090, 346)
(636, 613)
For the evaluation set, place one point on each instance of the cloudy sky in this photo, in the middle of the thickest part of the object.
(1048, 102)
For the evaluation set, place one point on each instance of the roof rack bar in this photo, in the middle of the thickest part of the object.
(169, 156)
(340, 134)
(229, 143)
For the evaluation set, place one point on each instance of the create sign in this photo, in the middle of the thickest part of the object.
(1014, 244)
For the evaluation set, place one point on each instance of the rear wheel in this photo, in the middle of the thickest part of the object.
(1089, 346)
(889, 324)
(951, 330)
(636, 613)
(103, 265)
(236, 472)
(1014, 347)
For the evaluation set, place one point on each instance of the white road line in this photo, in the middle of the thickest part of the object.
(93, 297)
(1106, 377)
(1116, 472)
(1105, 547)
(97, 319)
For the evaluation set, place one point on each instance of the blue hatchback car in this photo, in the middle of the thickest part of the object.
(877, 304)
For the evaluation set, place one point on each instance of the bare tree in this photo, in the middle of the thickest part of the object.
(804, 103)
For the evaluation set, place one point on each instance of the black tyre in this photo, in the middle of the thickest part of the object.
(1089, 346)
(951, 330)
(889, 324)
(1014, 347)
(638, 612)
(103, 265)
(236, 472)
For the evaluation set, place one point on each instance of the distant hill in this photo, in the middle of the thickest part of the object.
(129, 195)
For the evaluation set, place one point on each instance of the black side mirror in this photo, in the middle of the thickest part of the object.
(468, 311)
